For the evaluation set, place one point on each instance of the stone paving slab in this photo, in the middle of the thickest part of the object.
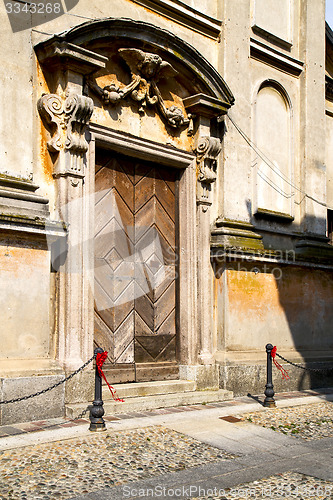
(286, 485)
(243, 403)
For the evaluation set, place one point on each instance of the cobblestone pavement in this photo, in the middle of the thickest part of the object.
(289, 485)
(77, 466)
(307, 422)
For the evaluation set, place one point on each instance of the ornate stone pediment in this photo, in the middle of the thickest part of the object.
(146, 71)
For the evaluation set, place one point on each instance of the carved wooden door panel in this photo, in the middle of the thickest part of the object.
(135, 267)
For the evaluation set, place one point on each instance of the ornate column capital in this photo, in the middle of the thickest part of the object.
(66, 119)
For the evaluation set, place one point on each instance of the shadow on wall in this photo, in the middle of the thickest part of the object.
(288, 303)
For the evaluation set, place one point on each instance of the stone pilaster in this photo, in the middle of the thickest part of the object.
(207, 149)
(66, 113)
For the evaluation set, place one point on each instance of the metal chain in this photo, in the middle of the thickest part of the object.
(82, 413)
(24, 398)
(305, 367)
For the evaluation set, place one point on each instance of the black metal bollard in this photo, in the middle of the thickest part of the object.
(269, 401)
(96, 410)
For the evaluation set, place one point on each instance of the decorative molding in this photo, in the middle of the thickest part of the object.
(206, 106)
(78, 110)
(312, 249)
(138, 147)
(71, 115)
(235, 235)
(194, 65)
(24, 212)
(262, 52)
(146, 70)
(270, 37)
(67, 120)
(273, 215)
(207, 150)
(56, 53)
(185, 15)
(32, 227)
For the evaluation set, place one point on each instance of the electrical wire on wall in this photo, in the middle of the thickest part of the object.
(276, 170)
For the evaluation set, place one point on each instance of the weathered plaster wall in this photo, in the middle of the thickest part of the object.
(290, 307)
(312, 115)
(283, 64)
(16, 118)
(24, 301)
(285, 306)
(234, 184)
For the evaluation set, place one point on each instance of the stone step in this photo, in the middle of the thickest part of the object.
(138, 389)
(143, 403)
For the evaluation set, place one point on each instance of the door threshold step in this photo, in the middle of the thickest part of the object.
(144, 403)
(139, 389)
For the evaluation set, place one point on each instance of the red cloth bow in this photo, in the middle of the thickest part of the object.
(100, 358)
(284, 372)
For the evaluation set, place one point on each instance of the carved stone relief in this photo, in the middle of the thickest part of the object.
(146, 70)
(67, 120)
(207, 150)
(70, 115)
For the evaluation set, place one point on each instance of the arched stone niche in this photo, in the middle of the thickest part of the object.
(132, 88)
(274, 167)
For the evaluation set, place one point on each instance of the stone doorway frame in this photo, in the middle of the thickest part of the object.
(66, 113)
(185, 162)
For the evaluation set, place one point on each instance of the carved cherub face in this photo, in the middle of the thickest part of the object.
(151, 65)
(147, 65)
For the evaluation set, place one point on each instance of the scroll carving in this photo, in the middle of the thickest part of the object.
(207, 150)
(66, 120)
(146, 70)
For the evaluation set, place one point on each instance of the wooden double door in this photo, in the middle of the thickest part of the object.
(136, 267)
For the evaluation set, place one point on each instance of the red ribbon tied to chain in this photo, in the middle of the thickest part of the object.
(100, 358)
(284, 372)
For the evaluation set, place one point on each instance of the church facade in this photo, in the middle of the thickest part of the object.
(166, 195)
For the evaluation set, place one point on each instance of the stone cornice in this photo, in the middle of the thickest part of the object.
(205, 105)
(262, 52)
(24, 212)
(185, 15)
(281, 42)
(139, 147)
(56, 53)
